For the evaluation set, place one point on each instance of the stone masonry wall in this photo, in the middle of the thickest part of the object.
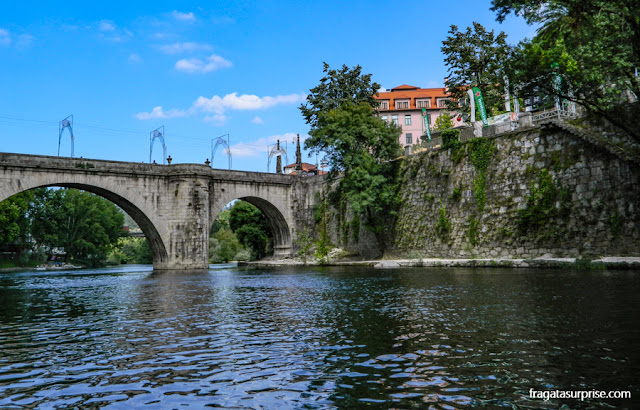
(546, 192)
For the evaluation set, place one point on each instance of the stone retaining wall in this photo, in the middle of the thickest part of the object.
(546, 192)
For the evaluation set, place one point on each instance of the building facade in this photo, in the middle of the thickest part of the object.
(403, 106)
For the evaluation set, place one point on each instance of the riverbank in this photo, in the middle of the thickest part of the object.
(609, 262)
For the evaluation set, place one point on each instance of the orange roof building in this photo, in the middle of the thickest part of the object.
(403, 105)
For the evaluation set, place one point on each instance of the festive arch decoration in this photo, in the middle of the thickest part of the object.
(158, 133)
(220, 141)
(67, 123)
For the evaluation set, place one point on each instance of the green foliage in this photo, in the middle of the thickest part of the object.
(323, 246)
(304, 243)
(251, 227)
(86, 225)
(336, 89)
(131, 250)
(541, 208)
(472, 233)
(587, 264)
(480, 189)
(357, 144)
(224, 246)
(594, 46)
(481, 153)
(444, 122)
(443, 225)
(450, 139)
(615, 224)
(355, 228)
(14, 217)
(476, 57)
(456, 195)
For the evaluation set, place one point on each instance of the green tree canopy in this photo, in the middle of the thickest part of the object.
(336, 88)
(85, 224)
(251, 227)
(358, 144)
(14, 217)
(444, 122)
(593, 46)
(476, 58)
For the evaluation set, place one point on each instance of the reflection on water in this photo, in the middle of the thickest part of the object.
(315, 338)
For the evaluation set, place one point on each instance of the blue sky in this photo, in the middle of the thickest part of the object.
(203, 69)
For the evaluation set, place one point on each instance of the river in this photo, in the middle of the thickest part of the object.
(316, 337)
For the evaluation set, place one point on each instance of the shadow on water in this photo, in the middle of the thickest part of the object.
(315, 337)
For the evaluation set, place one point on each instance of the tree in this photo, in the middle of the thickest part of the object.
(251, 227)
(337, 87)
(444, 122)
(86, 225)
(591, 46)
(476, 58)
(14, 217)
(357, 143)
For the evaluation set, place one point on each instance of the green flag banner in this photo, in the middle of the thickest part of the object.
(477, 95)
(425, 119)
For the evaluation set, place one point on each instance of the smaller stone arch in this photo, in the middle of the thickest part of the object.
(282, 244)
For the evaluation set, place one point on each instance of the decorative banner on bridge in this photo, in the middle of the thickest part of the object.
(477, 95)
(425, 120)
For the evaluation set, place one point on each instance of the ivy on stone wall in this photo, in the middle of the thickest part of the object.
(546, 202)
(480, 155)
(472, 233)
(443, 225)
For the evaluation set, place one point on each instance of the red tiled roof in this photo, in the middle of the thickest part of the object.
(305, 166)
(405, 87)
(407, 92)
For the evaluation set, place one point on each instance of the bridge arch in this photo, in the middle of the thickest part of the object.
(277, 222)
(128, 201)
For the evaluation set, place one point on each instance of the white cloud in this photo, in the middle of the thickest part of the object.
(134, 58)
(257, 120)
(215, 108)
(186, 47)
(20, 42)
(178, 15)
(258, 147)
(106, 25)
(5, 37)
(157, 112)
(216, 119)
(195, 65)
(233, 101)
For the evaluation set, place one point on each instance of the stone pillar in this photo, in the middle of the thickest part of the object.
(187, 214)
(298, 157)
(278, 160)
(525, 120)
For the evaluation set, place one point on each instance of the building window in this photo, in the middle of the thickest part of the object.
(409, 138)
(385, 118)
(394, 119)
(384, 105)
(402, 105)
(443, 103)
(407, 120)
(423, 103)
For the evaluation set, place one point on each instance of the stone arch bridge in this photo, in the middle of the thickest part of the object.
(174, 205)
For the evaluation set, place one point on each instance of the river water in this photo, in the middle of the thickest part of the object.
(316, 337)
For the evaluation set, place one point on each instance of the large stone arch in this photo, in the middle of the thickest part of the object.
(130, 202)
(282, 244)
